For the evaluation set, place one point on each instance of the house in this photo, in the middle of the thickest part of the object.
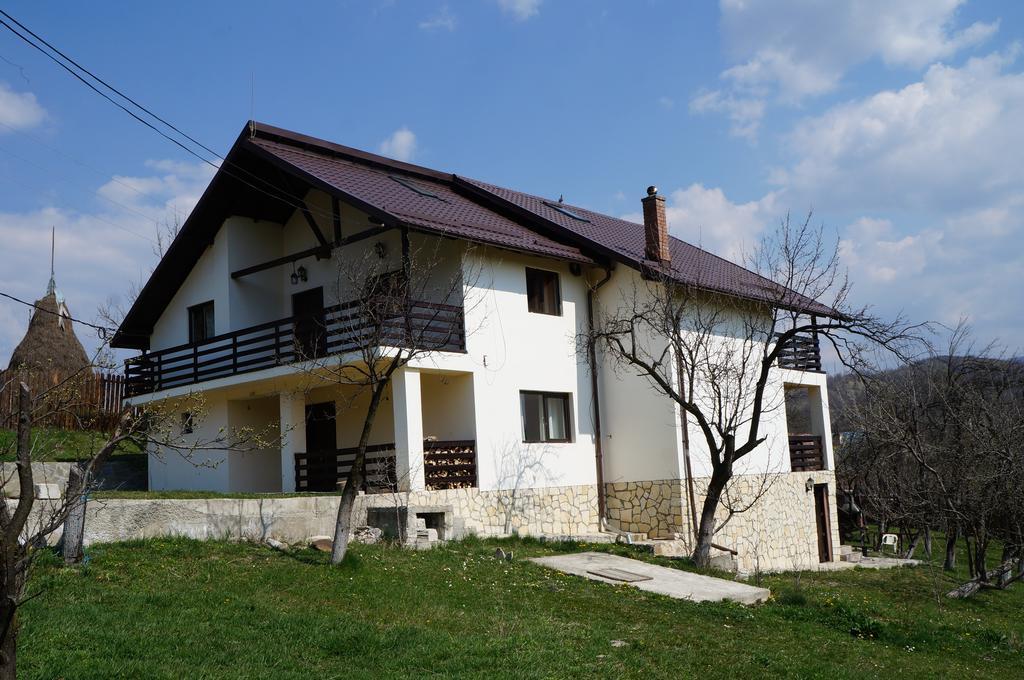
(505, 426)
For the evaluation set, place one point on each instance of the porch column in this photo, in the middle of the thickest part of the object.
(821, 423)
(407, 403)
(293, 435)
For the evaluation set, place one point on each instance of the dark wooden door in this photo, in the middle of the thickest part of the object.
(310, 336)
(321, 432)
(824, 520)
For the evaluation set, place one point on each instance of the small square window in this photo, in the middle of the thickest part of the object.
(545, 416)
(187, 424)
(200, 322)
(542, 292)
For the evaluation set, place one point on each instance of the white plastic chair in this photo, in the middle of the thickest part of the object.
(891, 540)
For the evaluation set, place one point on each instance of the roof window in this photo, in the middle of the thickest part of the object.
(412, 186)
(565, 211)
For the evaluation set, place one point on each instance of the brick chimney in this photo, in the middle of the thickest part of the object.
(655, 227)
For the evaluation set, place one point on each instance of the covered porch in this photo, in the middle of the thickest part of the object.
(423, 437)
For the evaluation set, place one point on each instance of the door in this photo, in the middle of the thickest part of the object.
(321, 433)
(310, 335)
(824, 520)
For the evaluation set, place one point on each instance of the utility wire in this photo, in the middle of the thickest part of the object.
(279, 193)
(104, 331)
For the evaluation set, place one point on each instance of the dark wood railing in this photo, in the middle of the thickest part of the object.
(342, 328)
(327, 470)
(801, 353)
(806, 453)
(449, 465)
(446, 465)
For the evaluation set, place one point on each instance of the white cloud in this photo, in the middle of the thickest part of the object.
(444, 20)
(400, 145)
(520, 9)
(100, 254)
(744, 113)
(19, 110)
(707, 218)
(946, 142)
(789, 50)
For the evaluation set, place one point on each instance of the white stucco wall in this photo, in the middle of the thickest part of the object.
(511, 349)
(256, 465)
(208, 280)
(199, 469)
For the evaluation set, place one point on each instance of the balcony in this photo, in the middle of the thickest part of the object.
(340, 328)
(801, 353)
(447, 465)
(806, 453)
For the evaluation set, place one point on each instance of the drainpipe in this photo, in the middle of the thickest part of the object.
(685, 421)
(595, 398)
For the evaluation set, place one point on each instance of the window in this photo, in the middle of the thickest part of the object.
(542, 292)
(187, 424)
(200, 322)
(545, 417)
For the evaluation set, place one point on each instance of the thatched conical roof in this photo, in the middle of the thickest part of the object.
(50, 343)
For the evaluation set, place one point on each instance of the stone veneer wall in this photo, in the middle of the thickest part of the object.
(778, 533)
(561, 510)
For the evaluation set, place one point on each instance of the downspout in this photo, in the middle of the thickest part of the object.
(595, 398)
(685, 421)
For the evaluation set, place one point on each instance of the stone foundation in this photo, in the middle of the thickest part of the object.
(779, 532)
(552, 511)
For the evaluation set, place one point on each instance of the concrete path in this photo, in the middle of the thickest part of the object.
(869, 563)
(675, 583)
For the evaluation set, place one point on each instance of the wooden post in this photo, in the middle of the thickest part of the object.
(74, 525)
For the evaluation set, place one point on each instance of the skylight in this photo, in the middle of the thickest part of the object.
(565, 211)
(421, 190)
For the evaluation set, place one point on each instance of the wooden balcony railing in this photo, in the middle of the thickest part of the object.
(341, 328)
(327, 470)
(447, 465)
(801, 353)
(806, 453)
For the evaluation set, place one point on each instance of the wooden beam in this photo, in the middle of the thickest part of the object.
(319, 251)
(313, 225)
(336, 213)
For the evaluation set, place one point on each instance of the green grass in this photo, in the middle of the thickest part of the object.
(177, 608)
(58, 445)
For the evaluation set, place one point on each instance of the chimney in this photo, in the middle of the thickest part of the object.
(655, 227)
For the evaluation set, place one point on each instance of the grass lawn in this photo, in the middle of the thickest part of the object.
(59, 445)
(175, 608)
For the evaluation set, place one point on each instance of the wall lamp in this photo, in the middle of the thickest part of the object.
(809, 485)
(299, 274)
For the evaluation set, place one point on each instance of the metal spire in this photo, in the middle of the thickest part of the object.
(52, 286)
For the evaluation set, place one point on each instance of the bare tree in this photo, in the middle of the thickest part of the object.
(28, 523)
(939, 446)
(389, 314)
(714, 354)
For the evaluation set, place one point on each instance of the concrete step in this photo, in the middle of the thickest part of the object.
(847, 553)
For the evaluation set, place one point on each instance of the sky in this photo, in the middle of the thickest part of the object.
(898, 123)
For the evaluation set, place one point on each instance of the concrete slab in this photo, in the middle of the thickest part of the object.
(682, 585)
(869, 563)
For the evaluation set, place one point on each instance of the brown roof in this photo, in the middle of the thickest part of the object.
(423, 199)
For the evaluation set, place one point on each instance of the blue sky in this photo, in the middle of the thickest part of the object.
(899, 123)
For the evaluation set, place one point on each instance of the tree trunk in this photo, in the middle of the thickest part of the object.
(916, 538)
(951, 537)
(706, 530)
(74, 525)
(9, 648)
(980, 553)
(356, 475)
(928, 542)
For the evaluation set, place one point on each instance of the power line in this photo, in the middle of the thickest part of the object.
(104, 331)
(279, 193)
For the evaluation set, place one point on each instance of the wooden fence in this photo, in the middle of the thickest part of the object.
(88, 402)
